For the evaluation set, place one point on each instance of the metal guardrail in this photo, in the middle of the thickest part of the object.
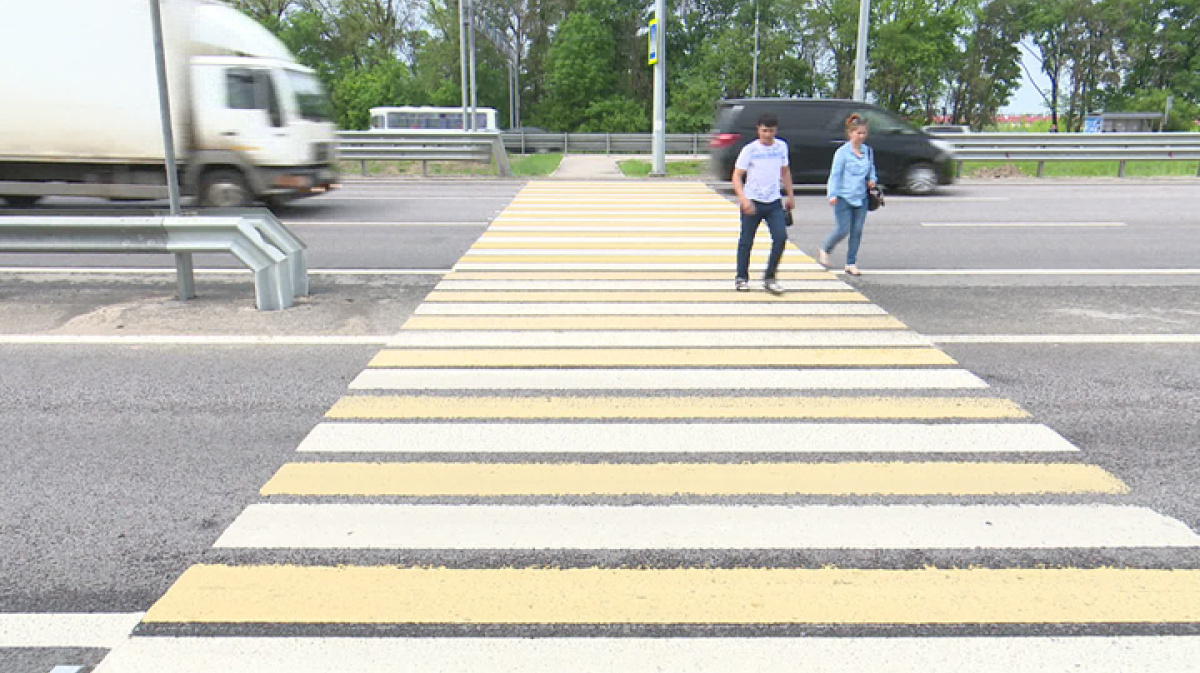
(261, 242)
(1040, 147)
(1043, 147)
(423, 146)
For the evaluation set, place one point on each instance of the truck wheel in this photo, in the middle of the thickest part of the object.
(920, 179)
(21, 201)
(224, 188)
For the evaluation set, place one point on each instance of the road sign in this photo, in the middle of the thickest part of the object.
(653, 57)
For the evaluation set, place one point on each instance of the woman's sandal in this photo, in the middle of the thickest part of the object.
(853, 270)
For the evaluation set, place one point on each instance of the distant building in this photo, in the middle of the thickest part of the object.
(1122, 122)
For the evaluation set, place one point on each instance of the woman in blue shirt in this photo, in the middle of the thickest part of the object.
(852, 173)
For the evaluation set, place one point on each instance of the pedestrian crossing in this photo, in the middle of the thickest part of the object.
(586, 451)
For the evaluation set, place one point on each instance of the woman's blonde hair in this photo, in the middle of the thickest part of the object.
(855, 121)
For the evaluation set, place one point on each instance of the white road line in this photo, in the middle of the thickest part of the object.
(730, 220)
(1066, 338)
(659, 379)
(627, 237)
(336, 223)
(983, 654)
(653, 338)
(1022, 224)
(640, 438)
(464, 308)
(796, 285)
(374, 526)
(91, 630)
(617, 266)
(1030, 272)
(213, 272)
(191, 339)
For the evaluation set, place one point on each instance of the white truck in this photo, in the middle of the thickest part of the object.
(80, 116)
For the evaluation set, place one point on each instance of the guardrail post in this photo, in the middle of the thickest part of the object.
(696, 144)
(185, 274)
(1121, 169)
(958, 169)
(607, 143)
(1041, 168)
(424, 168)
(364, 167)
(566, 143)
(523, 152)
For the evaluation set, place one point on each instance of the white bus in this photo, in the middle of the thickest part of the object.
(427, 118)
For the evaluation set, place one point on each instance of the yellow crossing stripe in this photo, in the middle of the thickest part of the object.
(623, 259)
(660, 357)
(379, 595)
(662, 297)
(784, 275)
(760, 246)
(611, 406)
(853, 322)
(840, 479)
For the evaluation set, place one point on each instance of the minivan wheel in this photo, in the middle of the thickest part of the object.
(224, 188)
(920, 179)
(21, 201)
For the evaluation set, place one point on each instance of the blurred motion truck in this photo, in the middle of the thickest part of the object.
(79, 106)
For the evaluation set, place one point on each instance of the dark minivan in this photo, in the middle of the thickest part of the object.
(814, 128)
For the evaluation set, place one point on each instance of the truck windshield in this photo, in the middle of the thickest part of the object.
(310, 97)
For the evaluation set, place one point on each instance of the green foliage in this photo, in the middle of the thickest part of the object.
(615, 114)
(536, 165)
(579, 72)
(357, 91)
(637, 168)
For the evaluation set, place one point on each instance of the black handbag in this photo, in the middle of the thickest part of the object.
(874, 194)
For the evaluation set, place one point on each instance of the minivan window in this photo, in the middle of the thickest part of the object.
(882, 123)
(727, 116)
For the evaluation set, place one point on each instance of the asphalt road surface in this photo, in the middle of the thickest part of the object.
(136, 428)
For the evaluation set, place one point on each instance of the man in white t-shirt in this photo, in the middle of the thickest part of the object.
(760, 169)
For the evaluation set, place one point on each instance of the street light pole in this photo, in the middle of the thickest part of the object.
(754, 75)
(659, 140)
(164, 106)
(462, 59)
(471, 46)
(860, 62)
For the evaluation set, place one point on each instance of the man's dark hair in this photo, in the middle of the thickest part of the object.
(768, 120)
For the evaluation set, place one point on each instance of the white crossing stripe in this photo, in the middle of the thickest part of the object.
(662, 379)
(641, 438)
(654, 338)
(619, 266)
(978, 654)
(759, 253)
(796, 285)
(374, 526)
(455, 308)
(1066, 338)
(66, 630)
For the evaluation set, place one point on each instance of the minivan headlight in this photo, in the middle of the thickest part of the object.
(943, 146)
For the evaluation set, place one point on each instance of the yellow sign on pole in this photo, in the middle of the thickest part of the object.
(653, 55)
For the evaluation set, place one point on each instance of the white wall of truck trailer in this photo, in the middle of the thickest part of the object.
(80, 112)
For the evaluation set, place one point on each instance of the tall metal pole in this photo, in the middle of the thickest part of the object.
(462, 59)
(754, 76)
(471, 47)
(860, 62)
(659, 142)
(164, 106)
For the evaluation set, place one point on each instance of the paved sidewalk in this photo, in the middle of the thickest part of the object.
(602, 166)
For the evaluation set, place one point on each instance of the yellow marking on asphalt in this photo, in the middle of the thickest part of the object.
(553, 296)
(865, 322)
(618, 259)
(615, 406)
(665, 357)
(396, 595)
(784, 275)
(839, 479)
(759, 245)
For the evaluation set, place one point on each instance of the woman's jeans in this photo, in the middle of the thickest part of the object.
(848, 221)
(773, 213)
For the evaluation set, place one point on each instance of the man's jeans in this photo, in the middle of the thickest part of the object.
(848, 221)
(773, 213)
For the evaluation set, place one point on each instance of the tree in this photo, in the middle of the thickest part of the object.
(579, 69)
(987, 71)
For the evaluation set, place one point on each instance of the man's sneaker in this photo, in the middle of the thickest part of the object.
(741, 284)
(773, 286)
